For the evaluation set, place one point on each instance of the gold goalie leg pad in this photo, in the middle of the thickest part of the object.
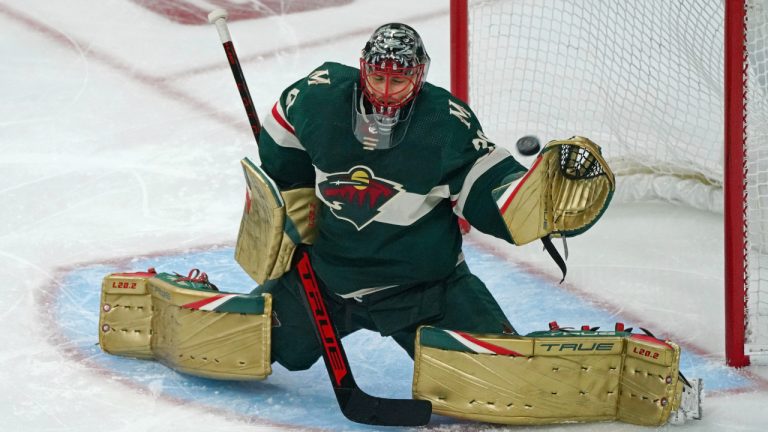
(548, 377)
(187, 324)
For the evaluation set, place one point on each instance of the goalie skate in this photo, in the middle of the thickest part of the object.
(690, 403)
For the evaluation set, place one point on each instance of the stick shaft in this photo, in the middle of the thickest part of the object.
(220, 20)
(355, 404)
(242, 87)
(334, 355)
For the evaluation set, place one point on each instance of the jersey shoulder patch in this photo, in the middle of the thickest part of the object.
(463, 114)
(456, 120)
(319, 77)
(450, 110)
(327, 85)
(330, 74)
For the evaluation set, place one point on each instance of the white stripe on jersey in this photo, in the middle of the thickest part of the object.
(408, 207)
(480, 167)
(282, 136)
(405, 208)
(365, 291)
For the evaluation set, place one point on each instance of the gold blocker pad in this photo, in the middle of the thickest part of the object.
(548, 377)
(186, 324)
(273, 223)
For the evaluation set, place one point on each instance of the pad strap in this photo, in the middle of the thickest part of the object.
(552, 250)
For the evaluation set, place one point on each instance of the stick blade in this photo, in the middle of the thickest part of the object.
(364, 408)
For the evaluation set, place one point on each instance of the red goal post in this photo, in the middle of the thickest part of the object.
(735, 191)
(677, 90)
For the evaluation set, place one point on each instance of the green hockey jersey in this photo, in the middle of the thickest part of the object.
(389, 216)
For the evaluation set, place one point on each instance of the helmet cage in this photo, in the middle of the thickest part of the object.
(389, 86)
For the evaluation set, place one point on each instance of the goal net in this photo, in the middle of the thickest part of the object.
(645, 80)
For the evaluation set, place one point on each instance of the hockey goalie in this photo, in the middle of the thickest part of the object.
(352, 222)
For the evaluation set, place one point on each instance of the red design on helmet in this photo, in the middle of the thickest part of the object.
(393, 67)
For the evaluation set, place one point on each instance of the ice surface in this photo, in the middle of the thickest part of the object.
(121, 133)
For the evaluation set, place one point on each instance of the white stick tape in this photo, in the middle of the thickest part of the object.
(219, 17)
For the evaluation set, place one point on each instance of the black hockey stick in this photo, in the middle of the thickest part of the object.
(355, 404)
(218, 17)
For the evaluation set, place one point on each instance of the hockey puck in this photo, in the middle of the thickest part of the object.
(528, 145)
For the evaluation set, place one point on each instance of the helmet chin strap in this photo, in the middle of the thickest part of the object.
(386, 122)
(376, 131)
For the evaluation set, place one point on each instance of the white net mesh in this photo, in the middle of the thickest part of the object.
(644, 80)
(624, 73)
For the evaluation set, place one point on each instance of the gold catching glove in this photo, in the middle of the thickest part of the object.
(564, 193)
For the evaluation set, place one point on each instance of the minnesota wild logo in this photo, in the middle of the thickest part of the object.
(357, 196)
